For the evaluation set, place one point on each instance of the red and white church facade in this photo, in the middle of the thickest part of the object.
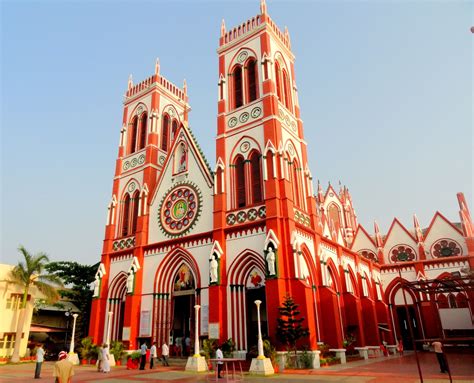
(180, 232)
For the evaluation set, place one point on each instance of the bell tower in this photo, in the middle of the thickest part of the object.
(261, 174)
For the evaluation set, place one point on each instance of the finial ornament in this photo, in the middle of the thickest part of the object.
(157, 66)
(130, 81)
(263, 7)
(185, 87)
(223, 28)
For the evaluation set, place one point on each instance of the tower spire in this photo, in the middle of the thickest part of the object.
(419, 233)
(378, 237)
(263, 7)
(185, 87)
(157, 66)
(223, 28)
(130, 81)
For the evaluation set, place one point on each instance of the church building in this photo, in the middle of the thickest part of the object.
(253, 226)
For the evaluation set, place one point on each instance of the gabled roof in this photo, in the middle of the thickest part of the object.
(442, 217)
(362, 231)
(394, 222)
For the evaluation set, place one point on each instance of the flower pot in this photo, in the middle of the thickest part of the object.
(93, 361)
(83, 361)
(118, 362)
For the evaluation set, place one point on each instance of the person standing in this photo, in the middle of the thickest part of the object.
(438, 349)
(63, 369)
(219, 355)
(105, 358)
(152, 354)
(39, 360)
(99, 358)
(143, 349)
(400, 347)
(165, 352)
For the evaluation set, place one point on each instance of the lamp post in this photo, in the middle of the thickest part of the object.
(261, 355)
(196, 331)
(71, 347)
(109, 327)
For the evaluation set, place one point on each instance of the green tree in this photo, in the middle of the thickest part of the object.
(289, 325)
(77, 278)
(27, 274)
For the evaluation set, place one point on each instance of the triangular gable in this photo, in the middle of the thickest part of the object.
(184, 134)
(438, 215)
(440, 228)
(398, 235)
(393, 227)
(331, 189)
(362, 240)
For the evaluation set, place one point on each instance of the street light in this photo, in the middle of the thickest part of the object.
(261, 355)
(71, 347)
(196, 332)
(67, 314)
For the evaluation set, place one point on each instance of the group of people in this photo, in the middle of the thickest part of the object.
(182, 346)
(165, 352)
(103, 359)
(63, 368)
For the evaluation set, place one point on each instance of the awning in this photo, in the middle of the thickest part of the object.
(384, 327)
(38, 328)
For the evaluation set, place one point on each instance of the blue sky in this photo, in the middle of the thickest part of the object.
(385, 90)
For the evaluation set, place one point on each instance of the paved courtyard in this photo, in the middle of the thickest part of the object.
(385, 370)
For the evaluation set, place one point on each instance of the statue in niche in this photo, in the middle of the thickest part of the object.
(270, 261)
(130, 280)
(96, 287)
(182, 158)
(213, 267)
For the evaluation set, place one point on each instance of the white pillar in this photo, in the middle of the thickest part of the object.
(109, 327)
(196, 331)
(261, 355)
(71, 347)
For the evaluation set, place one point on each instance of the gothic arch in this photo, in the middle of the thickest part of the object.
(240, 57)
(116, 304)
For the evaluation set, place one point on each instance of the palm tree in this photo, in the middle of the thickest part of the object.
(30, 273)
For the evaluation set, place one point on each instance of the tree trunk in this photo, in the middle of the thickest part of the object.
(19, 328)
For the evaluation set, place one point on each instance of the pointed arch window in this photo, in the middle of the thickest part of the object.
(134, 218)
(256, 174)
(143, 131)
(252, 82)
(165, 132)
(278, 80)
(133, 136)
(295, 182)
(174, 129)
(125, 215)
(238, 87)
(240, 182)
(270, 168)
(334, 214)
(287, 92)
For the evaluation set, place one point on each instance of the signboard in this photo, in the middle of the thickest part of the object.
(145, 323)
(126, 333)
(213, 330)
(204, 320)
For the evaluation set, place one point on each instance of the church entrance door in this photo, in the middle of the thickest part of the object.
(251, 295)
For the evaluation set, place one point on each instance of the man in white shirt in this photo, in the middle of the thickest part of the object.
(39, 360)
(219, 355)
(165, 351)
(152, 354)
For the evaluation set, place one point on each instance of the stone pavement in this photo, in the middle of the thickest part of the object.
(386, 370)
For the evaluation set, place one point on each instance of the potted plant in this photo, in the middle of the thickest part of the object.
(93, 354)
(85, 349)
(133, 359)
(117, 350)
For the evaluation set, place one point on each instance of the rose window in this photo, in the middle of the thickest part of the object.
(402, 253)
(445, 248)
(179, 210)
(370, 255)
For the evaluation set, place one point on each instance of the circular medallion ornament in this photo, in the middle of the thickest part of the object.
(179, 209)
(139, 110)
(245, 146)
(402, 253)
(256, 112)
(369, 255)
(232, 122)
(445, 248)
(244, 117)
(132, 187)
(242, 56)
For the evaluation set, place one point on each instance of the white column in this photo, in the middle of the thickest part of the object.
(196, 331)
(109, 326)
(261, 355)
(71, 347)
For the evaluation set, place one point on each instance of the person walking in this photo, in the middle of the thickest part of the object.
(438, 349)
(143, 349)
(99, 358)
(152, 354)
(105, 358)
(165, 352)
(39, 360)
(220, 364)
(63, 369)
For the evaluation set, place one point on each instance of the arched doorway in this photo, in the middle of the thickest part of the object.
(116, 304)
(255, 290)
(183, 301)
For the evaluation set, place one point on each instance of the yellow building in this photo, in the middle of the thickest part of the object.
(10, 300)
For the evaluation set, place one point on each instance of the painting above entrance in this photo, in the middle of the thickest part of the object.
(179, 210)
(184, 279)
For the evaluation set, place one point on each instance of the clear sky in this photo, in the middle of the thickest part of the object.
(385, 90)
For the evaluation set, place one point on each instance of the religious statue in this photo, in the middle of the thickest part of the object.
(213, 269)
(270, 261)
(96, 287)
(130, 280)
